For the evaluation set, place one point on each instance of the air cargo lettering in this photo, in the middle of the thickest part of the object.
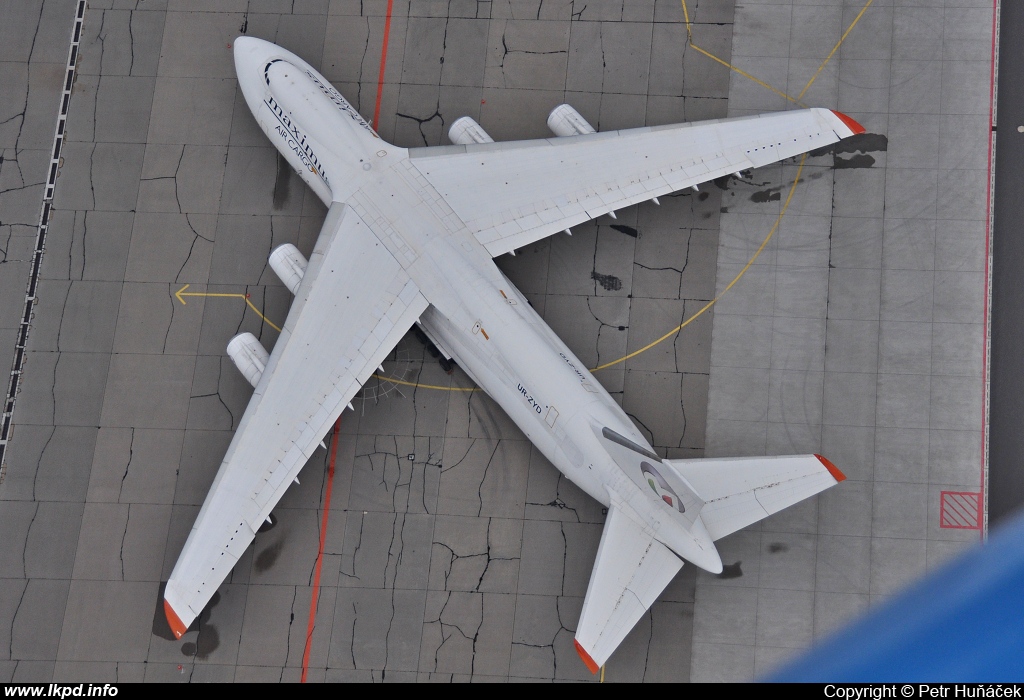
(335, 97)
(296, 140)
(530, 400)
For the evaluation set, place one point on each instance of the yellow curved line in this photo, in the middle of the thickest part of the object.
(794, 100)
(735, 279)
(774, 228)
(424, 386)
(834, 49)
(713, 57)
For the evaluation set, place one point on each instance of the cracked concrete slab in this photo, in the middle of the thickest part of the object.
(37, 619)
(62, 388)
(122, 42)
(467, 633)
(218, 396)
(115, 611)
(474, 554)
(171, 247)
(377, 628)
(483, 477)
(87, 245)
(135, 465)
(151, 321)
(181, 178)
(165, 376)
(52, 463)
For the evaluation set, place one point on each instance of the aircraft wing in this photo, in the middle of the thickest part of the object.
(353, 305)
(514, 193)
(631, 571)
(740, 491)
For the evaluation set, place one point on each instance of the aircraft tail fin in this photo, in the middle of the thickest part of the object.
(739, 491)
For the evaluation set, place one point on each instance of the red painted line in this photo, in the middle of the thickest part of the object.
(320, 554)
(986, 323)
(960, 510)
(383, 64)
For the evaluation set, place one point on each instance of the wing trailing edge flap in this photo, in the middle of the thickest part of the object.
(515, 193)
(353, 305)
(631, 570)
(739, 491)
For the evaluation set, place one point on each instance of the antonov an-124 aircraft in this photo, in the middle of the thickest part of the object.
(409, 239)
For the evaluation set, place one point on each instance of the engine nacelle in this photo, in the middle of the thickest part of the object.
(566, 121)
(466, 131)
(289, 264)
(249, 356)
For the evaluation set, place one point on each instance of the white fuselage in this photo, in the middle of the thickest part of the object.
(477, 316)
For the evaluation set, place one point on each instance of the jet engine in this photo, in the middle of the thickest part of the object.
(466, 131)
(289, 264)
(566, 121)
(249, 356)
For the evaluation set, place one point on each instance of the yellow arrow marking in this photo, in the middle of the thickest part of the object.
(181, 294)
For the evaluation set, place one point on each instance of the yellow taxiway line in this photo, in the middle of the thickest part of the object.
(181, 294)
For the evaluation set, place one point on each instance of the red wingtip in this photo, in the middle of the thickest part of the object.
(177, 627)
(832, 469)
(591, 664)
(852, 124)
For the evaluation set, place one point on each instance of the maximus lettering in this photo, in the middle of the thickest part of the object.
(296, 140)
(335, 97)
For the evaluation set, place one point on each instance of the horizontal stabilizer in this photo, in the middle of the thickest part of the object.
(631, 571)
(739, 491)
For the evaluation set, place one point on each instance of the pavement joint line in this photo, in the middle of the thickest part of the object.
(44, 219)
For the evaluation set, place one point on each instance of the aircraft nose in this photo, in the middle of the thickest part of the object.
(248, 49)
